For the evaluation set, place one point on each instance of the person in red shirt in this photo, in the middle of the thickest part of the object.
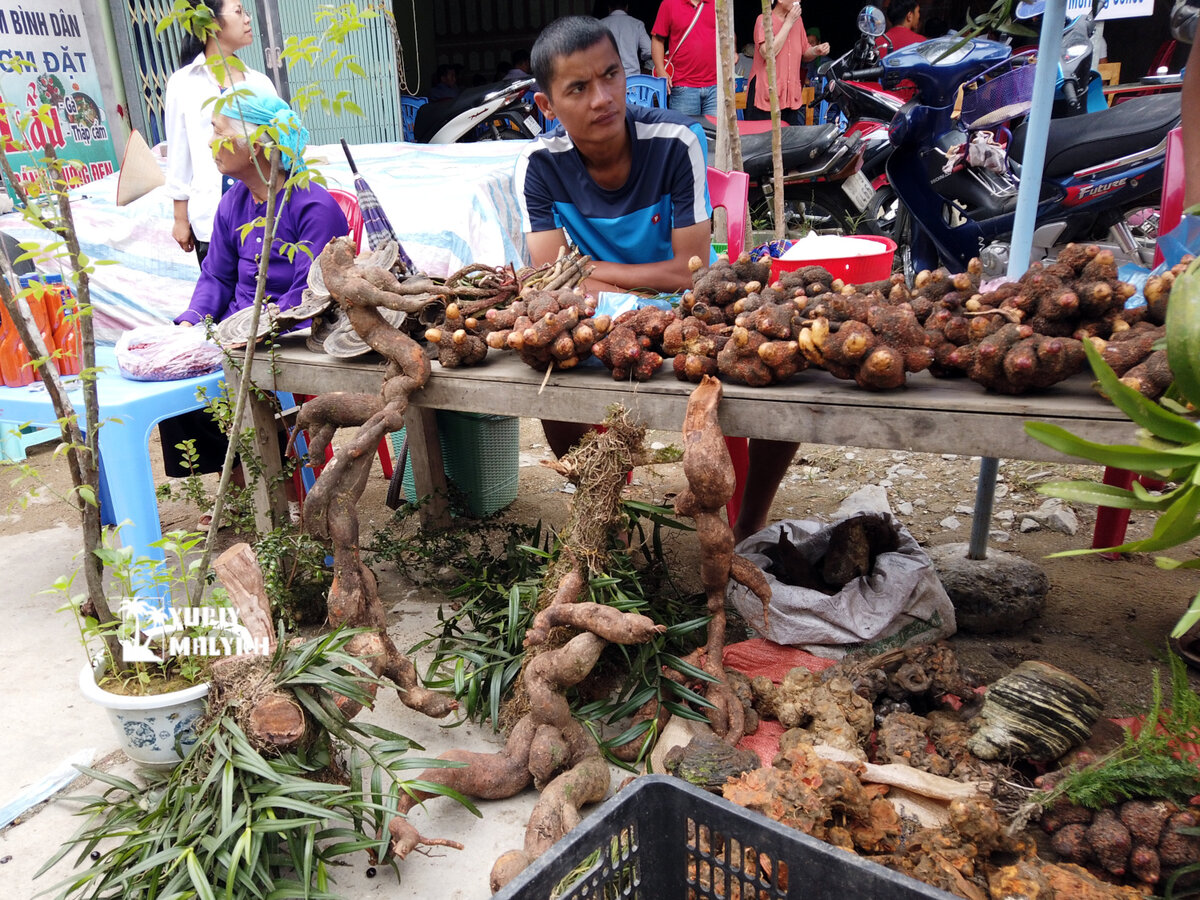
(905, 16)
(683, 43)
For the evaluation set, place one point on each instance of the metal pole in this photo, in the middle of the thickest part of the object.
(1032, 166)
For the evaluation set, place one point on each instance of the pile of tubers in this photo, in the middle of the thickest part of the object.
(737, 324)
(1139, 840)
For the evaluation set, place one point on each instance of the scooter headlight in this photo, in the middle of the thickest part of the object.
(1074, 51)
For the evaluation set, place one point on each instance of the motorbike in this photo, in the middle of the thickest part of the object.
(1079, 89)
(860, 107)
(491, 112)
(955, 168)
(823, 189)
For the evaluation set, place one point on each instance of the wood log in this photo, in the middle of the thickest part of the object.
(238, 571)
(277, 720)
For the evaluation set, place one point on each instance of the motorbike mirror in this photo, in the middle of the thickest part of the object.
(1029, 10)
(871, 21)
(823, 68)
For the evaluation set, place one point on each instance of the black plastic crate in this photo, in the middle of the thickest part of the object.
(662, 838)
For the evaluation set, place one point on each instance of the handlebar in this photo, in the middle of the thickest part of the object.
(872, 74)
(1070, 94)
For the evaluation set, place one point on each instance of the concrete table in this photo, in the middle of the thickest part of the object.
(930, 415)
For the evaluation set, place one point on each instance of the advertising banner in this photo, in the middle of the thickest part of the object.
(46, 59)
(1115, 9)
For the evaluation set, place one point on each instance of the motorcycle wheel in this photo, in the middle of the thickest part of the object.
(824, 209)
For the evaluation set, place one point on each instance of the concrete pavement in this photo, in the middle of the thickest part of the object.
(46, 721)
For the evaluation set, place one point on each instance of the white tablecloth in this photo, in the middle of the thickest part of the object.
(450, 206)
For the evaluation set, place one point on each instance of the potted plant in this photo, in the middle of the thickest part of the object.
(154, 691)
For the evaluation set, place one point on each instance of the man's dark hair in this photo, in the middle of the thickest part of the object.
(562, 37)
(899, 9)
(614, 5)
(520, 56)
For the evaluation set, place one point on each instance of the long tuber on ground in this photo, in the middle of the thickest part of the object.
(546, 746)
(709, 472)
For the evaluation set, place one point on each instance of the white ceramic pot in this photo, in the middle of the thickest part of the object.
(149, 727)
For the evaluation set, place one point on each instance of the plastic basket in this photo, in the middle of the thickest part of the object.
(663, 839)
(1001, 93)
(851, 269)
(481, 455)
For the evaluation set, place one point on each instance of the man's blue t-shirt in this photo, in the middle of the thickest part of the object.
(667, 189)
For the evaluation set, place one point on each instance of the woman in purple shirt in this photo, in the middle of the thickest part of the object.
(306, 219)
(305, 216)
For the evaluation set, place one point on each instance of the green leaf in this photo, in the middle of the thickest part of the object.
(1095, 494)
(1141, 410)
(1120, 456)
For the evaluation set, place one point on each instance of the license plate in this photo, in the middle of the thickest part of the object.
(533, 125)
(858, 189)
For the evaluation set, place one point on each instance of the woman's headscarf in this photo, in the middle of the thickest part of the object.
(254, 106)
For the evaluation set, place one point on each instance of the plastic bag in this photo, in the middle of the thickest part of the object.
(900, 603)
(1182, 240)
(166, 353)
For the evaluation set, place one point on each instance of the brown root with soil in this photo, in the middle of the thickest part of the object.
(709, 471)
(330, 510)
(546, 746)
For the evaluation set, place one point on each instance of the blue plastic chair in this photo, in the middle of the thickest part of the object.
(408, 114)
(646, 90)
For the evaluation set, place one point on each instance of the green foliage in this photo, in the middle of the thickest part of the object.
(1167, 448)
(233, 822)
(498, 572)
(130, 578)
(295, 575)
(1158, 763)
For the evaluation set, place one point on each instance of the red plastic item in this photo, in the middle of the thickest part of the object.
(851, 269)
(731, 190)
(353, 213)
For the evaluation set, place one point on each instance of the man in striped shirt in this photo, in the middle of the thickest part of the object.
(628, 186)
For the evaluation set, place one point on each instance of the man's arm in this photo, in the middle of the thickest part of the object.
(658, 52)
(1191, 126)
(669, 275)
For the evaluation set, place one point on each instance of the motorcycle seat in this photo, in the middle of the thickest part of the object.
(432, 116)
(1081, 141)
(802, 144)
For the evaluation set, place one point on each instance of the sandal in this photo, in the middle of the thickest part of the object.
(204, 524)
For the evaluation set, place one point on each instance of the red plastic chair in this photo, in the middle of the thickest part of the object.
(303, 480)
(1110, 522)
(348, 203)
(731, 190)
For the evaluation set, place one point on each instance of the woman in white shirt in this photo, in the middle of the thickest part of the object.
(193, 181)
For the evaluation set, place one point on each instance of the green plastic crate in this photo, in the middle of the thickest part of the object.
(481, 454)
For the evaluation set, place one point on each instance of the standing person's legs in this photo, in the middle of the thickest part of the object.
(769, 461)
(684, 100)
(708, 100)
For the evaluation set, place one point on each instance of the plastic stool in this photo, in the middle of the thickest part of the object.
(14, 439)
(129, 410)
(1111, 521)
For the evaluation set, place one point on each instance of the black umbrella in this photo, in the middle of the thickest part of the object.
(375, 221)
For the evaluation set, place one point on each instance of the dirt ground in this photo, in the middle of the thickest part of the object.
(1105, 621)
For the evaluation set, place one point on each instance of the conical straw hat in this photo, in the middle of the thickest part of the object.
(140, 172)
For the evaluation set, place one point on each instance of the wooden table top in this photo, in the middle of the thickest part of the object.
(929, 415)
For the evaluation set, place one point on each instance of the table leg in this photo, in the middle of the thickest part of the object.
(269, 494)
(429, 473)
